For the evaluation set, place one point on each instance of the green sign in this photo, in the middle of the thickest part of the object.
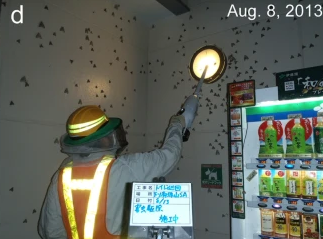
(211, 176)
(302, 83)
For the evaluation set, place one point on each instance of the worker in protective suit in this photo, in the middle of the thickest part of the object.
(86, 195)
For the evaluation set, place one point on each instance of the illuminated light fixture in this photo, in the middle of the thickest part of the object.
(321, 210)
(289, 166)
(211, 57)
(282, 102)
(276, 206)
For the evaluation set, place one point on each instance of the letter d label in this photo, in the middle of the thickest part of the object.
(21, 15)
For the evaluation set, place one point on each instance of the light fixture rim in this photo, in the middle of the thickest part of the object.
(222, 67)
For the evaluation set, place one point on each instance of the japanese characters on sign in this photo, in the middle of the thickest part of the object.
(161, 204)
(302, 83)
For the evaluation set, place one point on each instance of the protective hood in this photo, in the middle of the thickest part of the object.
(79, 160)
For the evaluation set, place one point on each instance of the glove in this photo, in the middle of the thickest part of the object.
(190, 108)
(178, 119)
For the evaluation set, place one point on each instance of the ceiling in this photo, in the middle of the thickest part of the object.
(151, 11)
(146, 11)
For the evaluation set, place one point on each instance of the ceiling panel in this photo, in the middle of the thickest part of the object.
(146, 11)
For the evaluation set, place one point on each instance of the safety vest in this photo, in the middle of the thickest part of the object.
(83, 199)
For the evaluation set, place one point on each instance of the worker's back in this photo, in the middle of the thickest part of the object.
(138, 167)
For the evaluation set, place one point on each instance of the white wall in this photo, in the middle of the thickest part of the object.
(282, 41)
(29, 150)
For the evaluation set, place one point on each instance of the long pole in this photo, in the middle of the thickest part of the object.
(199, 86)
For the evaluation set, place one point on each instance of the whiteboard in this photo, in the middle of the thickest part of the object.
(161, 204)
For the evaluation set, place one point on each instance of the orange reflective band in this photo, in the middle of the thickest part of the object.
(94, 185)
(82, 184)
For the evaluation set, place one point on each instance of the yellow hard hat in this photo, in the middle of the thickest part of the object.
(85, 121)
(90, 130)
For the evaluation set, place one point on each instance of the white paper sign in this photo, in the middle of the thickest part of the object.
(236, 133)
(161, 204)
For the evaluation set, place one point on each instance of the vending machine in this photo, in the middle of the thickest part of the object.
(276, 157)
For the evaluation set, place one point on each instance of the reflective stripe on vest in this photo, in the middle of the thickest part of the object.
(94, 185)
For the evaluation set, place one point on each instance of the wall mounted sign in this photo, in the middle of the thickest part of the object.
(211, 176)
(236, 133)
(235, 116)
(242, 93)
(302, 83)
(236, 163)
